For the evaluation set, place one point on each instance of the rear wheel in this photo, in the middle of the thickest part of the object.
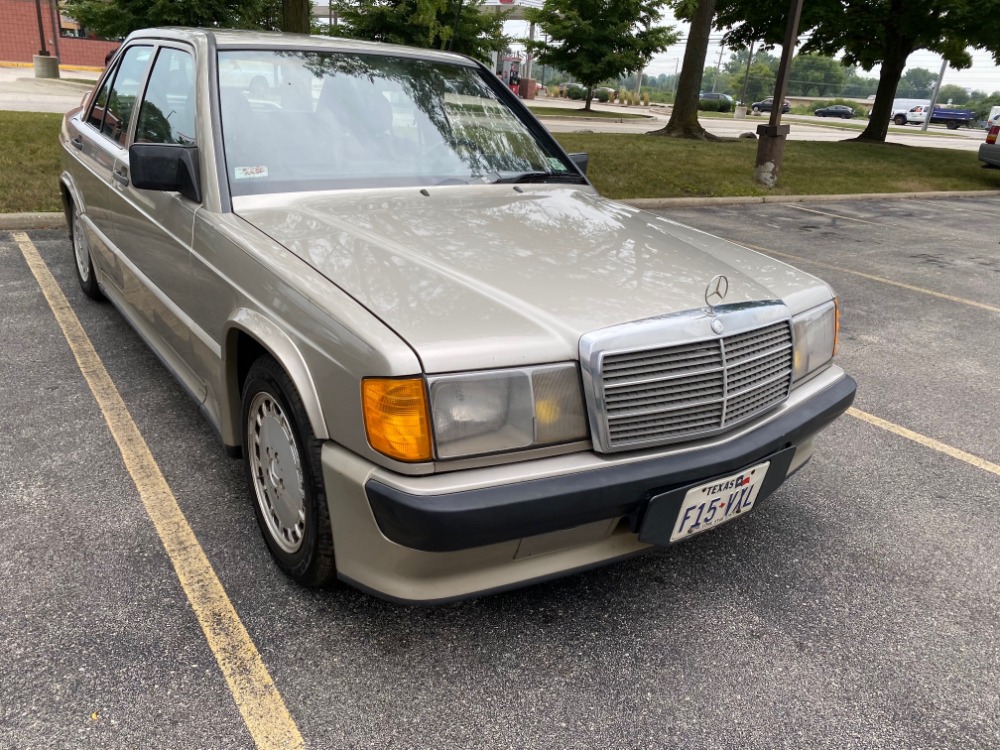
(899, 120)
(281, 460)
(756, 110)
(952, 125)
(81, 254)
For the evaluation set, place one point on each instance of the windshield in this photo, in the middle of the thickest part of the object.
(300, 120)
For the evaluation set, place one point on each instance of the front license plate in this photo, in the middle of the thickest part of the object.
(718, 501)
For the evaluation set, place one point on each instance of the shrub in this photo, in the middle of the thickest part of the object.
(645, 98)
(577, 92)
(602, 95)
(712, 105)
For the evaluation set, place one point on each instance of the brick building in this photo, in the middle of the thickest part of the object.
(19, 35)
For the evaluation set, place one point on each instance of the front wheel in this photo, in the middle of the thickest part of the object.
(84, 262)
(281, 459)
(899, 120)
(756, 110)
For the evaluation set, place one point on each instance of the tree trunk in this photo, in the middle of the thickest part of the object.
(684, 115)
(896, 52)
(590, 97)
(295, 16)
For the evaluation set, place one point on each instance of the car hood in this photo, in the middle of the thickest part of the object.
(501, 275)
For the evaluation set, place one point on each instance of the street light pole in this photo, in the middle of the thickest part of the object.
(44, 52)
(934, 96)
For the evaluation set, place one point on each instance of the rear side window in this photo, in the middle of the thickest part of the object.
(112, 111)
(167, 113)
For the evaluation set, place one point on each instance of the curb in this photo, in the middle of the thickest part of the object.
(34, 220)
(56, 220)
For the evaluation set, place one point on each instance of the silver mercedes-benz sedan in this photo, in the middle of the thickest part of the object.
(449, 365)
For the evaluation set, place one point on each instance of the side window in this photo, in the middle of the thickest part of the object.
(96, 116)
(167, 113)
(124, 92)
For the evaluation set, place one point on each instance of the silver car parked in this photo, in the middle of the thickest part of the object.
(448, 364)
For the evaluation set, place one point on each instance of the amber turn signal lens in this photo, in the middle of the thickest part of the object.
(396, 417)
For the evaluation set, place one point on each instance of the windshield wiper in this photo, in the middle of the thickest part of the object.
(541, 177)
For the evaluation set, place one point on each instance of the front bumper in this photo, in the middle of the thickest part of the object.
(447, 536)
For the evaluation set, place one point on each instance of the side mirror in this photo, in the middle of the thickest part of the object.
(581, 161)
(165, 166)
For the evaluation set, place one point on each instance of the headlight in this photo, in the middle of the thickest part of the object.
(815, 334)
(501, 410)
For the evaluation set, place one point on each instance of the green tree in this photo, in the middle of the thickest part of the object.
(760, 83)
(857, 85)
(737, 62)
(921, 82)
(593, 40)
(115, 19)
(873, 32)
(954, 93)
(460, 26)
(815, 75)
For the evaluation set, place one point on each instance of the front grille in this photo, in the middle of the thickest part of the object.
(668, 394)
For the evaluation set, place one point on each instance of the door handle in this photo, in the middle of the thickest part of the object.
(78, 142)
(120, 176)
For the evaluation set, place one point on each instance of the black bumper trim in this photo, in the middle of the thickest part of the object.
(473, 518)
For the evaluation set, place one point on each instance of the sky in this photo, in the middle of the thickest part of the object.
(984, 74)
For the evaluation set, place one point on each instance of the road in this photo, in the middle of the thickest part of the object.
(804, 127)
(858, 609)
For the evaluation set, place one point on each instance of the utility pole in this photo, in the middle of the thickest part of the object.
(718, 65)
(746, 78)
(46, 66)
(934, 96)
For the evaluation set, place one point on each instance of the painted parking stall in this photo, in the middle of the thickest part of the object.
(853, 607)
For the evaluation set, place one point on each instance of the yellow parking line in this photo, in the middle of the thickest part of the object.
(916, 437)
(256, 696)
(872, 277)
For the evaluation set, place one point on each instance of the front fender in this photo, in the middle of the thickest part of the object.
(279, 345)
(71, 196)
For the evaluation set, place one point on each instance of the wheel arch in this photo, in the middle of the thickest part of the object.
(248, 336)
(70, 196)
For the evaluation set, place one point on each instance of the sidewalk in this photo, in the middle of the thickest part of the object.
(20, 91)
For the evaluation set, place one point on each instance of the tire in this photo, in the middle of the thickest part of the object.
(845, 117)
(899, 119)
(952, 125)
(281, 462)
(83, 262)
(756, 110)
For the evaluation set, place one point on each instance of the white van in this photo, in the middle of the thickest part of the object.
(901, 106)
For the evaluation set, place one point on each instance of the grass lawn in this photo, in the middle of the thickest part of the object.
(645, 166)
(621, 166)
(29, 162)
(567, 112)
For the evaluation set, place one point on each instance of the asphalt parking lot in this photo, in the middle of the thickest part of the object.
(857, 609)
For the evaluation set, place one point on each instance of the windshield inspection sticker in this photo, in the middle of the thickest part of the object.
(250, 173)
(556, 164)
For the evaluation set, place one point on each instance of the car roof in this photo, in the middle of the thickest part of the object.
(241, 39)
